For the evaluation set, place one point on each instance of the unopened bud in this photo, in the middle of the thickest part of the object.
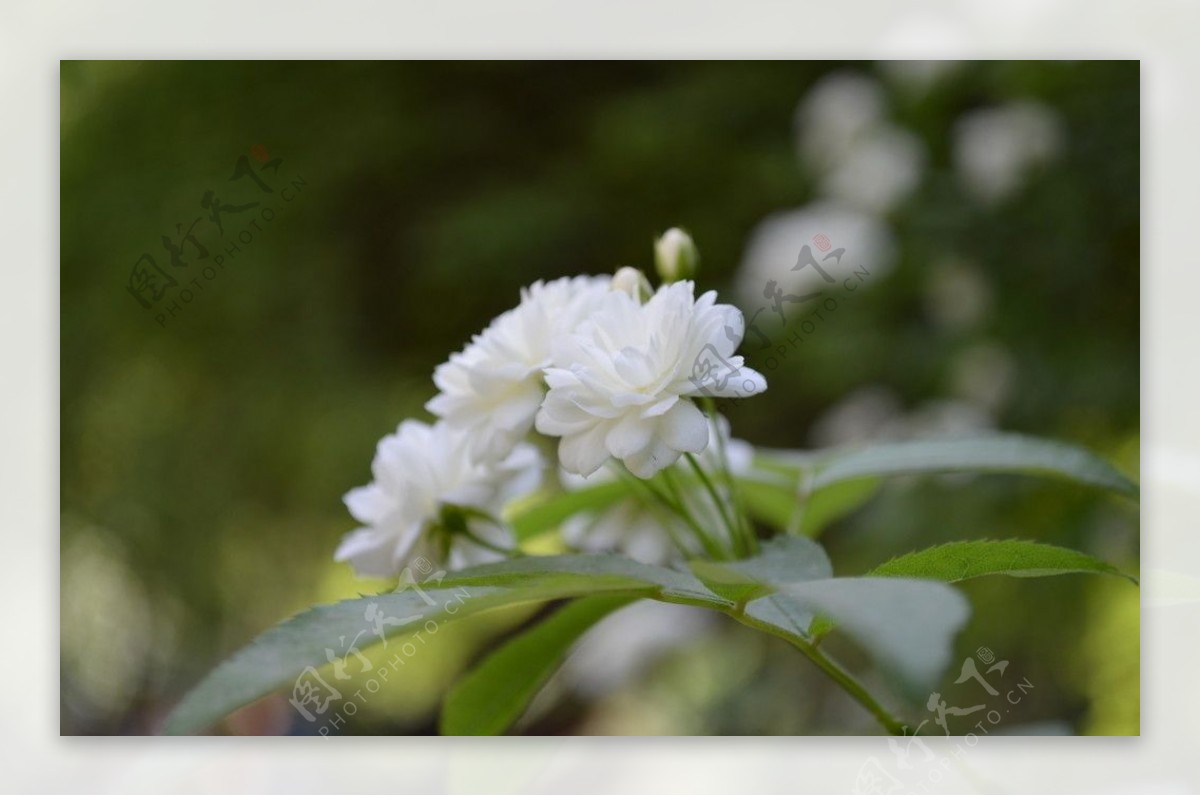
(634, 282)
(675, 256)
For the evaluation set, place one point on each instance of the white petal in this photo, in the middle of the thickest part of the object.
(656, 456)
(684, 428)
(634, 366)
(584, 453)
(368, 504)
(662, 407)
(518, 409)
(745, 383)
(560, 416)
(368, 552)
(629, 435)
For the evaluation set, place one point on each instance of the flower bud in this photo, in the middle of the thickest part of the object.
(675, 256)
(634, 282)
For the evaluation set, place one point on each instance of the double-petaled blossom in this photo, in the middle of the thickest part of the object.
(621, 383)
(430, 498)
(493, 388)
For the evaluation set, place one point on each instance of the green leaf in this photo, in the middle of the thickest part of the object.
(834, 502)
(595, 572)
(753, 581)
(1017, 558)
(773, 504)
(546, 515)
(495, 694)
(994, 453)
(782, 559)
(283, 654)
(907, 625)
(726, 582)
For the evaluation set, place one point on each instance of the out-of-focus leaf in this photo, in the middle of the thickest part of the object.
(993, 453)
(546, 515)
(496, 692)
(834, 502)
(770, 503)
(778, 502)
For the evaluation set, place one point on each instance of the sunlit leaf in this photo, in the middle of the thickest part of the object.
(1017, 558)
(284, 653)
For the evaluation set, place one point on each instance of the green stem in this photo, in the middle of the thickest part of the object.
(735, 537)
(839, 675)
(507, 552)
(710, 545)
(659, 499)
(853, 687)
(659, 504)
(803, 493)
(831, 668)
(750, 541)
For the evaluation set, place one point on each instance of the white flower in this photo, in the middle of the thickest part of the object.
(620, 384)
(494, 386)
(643, 533)
(423, 477)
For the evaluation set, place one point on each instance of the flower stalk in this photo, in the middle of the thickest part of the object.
(844, 679)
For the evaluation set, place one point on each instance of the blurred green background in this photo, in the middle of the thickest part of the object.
(204, 458)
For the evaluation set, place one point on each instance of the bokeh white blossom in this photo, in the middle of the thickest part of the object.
(774, 246)
(997, 149)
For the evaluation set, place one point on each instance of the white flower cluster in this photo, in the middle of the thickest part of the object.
(601, 365)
